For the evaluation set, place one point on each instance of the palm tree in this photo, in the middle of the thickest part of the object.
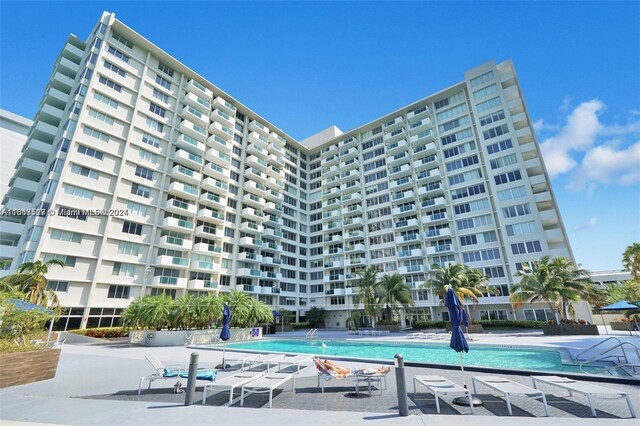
(240, 304)
(393, 291)
(157, 312)
(208, 310)
(575, 284)
(631, 260)
(538, 284)
(468, 283)
(259, 313)
(367, 292)
(30, 279)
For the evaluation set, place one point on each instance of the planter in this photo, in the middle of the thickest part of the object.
(623, 326)
(19, 368)
(571, 330)
(391, 328)
(189, 337)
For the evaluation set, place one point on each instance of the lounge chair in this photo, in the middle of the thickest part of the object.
(438, 385)
(267, 383)
(231, 382)
(586, 389)
(166, 371)
(294, 360)
(510, 388)
(328, 370)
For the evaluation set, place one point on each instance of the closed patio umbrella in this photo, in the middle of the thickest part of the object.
(225, 334)
(458, 317)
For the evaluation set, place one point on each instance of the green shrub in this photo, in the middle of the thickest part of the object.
(419, 325)
(387, 322)
(509, 324)
(300, 325)
(103, 332)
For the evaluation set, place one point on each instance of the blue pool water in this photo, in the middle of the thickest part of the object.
(481, 356)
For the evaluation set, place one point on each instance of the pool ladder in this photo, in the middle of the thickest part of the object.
(312, 334)
(620, 359)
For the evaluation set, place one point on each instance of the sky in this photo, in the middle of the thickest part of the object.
(305, 66)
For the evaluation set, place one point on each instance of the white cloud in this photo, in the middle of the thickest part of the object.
(586, 225)
(595, 153)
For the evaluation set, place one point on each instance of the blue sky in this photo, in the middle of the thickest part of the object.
(306, 66)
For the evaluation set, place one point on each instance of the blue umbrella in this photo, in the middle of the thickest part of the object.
(458, 317)
(225, 334)
(623, 305)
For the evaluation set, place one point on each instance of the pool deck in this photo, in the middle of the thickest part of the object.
(96, 384)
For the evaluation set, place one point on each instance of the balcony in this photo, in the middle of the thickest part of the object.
(354, 261)
(171, 242)
(348, 142)
(251, 227)
(275, 172)
(275, 160)
(403, 197)
(418, 113)
(193, 130)
(354, 248)
(396, 147)
(272, 195)
(436, 233)
(554, 235)
(534, 166)
(189, 143)
(250, 272)
(539, 184)
(272, 247)
(333, 278)
(255, 188)
(393, 124)
(203, 266)
(429, 175)
(353, 234)
(213, 200)
(405, 209)
(258, 139)
(249, 257)
(402, 170)
(210, 249)
(207, 231)
(277, 184)
(257, 162)
(549, 218)
(420, 125)
(194, 115)
(409, 223)
(172, 223)
(354, 197)
(412, 269)
(173, 262)
(406, 238)
(430, 189)
(223, 118)
(349, 164)
(259, 127)
(219, 143)
(251, 242)
(421, 151)
(199, 89)
(195, 101)
(347, 154)
(330, 160)
(272, 233)
(442, 248)
(398, 159)
(253, 214)
(188, 159)
(424, 136)
(202, 285)
(524, 135)
(334, 291)
(272, 290)
(272, 207)
(211, 184)
(222, 104)
(252, 200)
(330, 171)
(328, 193)
(277, 139)
(436, 217)
(426, 162)
(401, 183)
(172, 282)
(356, 208)
(183, 190)
(221, 130)
(180, 207)
(270, 275)
(210, 215)
(186, 174)
(433, 202)
(406, 254)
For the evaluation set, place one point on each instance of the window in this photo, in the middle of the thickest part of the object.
(115, 86)
(463, 162)
(522, 228)
(483, 78)
(140, 190)
(165, 68)
(121, 39)
(512, 193)
(90, 152)
(507, 160)
(59, 234)
(499, 146)
(115, 69)
(494, 315)
(118, 292)
(145, 155)
(100, 116)
(118, 54)
(526, 247)
(105, 100)
(508, 177)
(78, 192)
(156, 109)
(136, 208)
(69, 261)
(60, 286)
(151, 140)
(495, 132)
(124, 269)
(492, 118)
(479, 94)
(95, 134)
(144, 173)
(160, 95)
(163, 82)
(125, 247)
(84, 171)
(155, 125)
(132, 228)
(517, 210)
(491, 103)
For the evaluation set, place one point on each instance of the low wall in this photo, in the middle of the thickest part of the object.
(623, 326)
(19, 368)
(190, 337)
(571, 330)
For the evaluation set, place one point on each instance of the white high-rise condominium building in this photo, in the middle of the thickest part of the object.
(204, 195)
(13, 135)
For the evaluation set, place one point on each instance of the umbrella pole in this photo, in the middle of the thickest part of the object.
(464, 381)
(603, 323)
(464, 400)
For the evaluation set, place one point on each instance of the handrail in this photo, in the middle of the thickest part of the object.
(312, 334)
(595, 346)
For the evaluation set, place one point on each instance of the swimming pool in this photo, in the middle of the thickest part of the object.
(433, 353)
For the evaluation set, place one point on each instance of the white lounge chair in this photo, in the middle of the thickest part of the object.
(438, 385)
(509, 388)
(171, 371)
(294, 360)
(267, 383)
(586, 389)
(230, 383)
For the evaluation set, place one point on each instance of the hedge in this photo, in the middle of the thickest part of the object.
(102, 333)
(300, 325)
(419, 325)
(387, 322)
(510, 324)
